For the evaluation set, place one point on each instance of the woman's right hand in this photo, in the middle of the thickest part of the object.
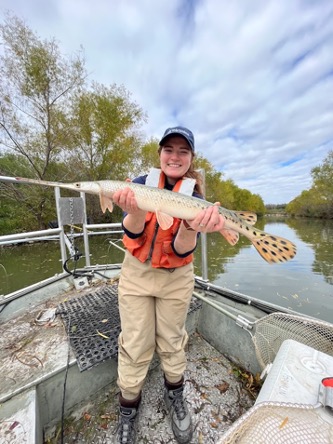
(134, 220)
(125, 199)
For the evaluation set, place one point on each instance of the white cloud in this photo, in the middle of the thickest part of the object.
(253, 80)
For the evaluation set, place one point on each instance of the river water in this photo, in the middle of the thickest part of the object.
(304, 284)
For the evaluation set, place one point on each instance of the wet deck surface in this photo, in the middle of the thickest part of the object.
(215, 393)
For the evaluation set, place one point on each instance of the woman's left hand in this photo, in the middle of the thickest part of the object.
(208, 220)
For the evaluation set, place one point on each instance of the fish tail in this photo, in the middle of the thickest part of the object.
(274, 249)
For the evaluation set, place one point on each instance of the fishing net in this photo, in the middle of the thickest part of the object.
(276, 422)
(280, 423)
(271, 330)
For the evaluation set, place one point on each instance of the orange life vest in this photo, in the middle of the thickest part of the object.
(155, 243)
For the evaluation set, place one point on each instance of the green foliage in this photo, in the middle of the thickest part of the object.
(148, 157)
(105, 139)
(323, 179)
(318, 200)
(36, 85)
(54, 125)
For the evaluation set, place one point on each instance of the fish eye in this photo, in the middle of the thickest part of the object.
(77, 185)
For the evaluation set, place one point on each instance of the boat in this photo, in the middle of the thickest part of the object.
(257, 372)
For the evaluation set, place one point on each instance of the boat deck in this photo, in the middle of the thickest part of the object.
(37, 363)
(215, 391)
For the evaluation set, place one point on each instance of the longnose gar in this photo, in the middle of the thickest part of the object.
(168, 205)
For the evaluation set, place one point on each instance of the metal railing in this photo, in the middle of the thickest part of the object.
(87, 230)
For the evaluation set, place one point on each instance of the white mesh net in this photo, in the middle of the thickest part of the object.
(280, 423)
(270, 331)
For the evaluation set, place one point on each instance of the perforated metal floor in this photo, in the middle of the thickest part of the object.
(93, 325)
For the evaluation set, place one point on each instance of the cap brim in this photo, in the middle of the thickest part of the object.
(177, 134)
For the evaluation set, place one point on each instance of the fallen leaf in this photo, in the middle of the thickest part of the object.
(101, 334)
(87, 417)
(222, 387)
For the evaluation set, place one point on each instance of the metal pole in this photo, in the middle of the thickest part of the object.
(60, 225)
(26, 236)
(204, 264)
(204, 261)
(85, 231)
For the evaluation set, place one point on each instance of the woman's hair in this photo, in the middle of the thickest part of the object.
(192, 174)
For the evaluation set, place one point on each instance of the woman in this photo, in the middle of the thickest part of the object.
(156, 285)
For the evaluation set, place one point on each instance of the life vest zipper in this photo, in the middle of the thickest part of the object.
(150, 255)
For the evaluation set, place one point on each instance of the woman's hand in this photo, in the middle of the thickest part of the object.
(125, 199)
(134, 221)
(208, 220)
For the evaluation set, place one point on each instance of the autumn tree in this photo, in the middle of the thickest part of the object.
(107, 140)
(56, 125)
(36, 85)
(318, 200)
(323, 184)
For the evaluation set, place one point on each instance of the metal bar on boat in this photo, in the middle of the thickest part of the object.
(240, 320)
(61, 227)
(10, 179)
(85, 232)
(30, 240)
(204, 262)
(4, 299)
(97, 226)
(203, 236)
(265, 306)
(9, 237)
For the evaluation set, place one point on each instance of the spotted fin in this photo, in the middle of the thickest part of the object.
(230, 235)
(274, 248)
(164, 220)
(106, 203)
(248, 216)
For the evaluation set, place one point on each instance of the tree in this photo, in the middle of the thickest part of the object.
(307, 204)
(105, 123)
(212, 178)
(50, 119)
(318, 200)
(323, 180)
(36, 84)
(148, 157)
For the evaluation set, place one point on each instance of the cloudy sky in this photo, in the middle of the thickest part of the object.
(253, 79)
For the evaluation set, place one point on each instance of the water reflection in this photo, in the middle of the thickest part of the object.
(319, 236)
(303, 284)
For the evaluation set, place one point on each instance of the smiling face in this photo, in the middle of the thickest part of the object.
(175, 158)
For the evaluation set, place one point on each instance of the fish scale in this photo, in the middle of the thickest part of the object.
(273, 249)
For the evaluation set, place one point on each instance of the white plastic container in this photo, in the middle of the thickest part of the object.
(296, 375)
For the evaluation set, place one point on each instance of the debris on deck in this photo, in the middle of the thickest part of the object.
(215, 392)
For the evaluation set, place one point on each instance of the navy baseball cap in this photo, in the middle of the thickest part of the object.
(180, 131)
